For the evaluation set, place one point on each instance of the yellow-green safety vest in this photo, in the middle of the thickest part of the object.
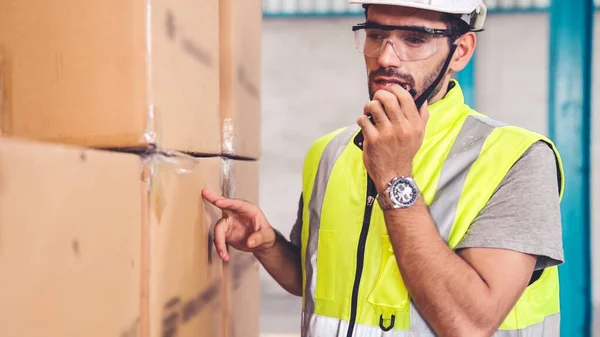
(351, 280)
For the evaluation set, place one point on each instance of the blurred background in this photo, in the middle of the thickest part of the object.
(314, 81)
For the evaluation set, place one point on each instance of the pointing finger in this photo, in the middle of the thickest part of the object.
(211, 196)
(237, 206)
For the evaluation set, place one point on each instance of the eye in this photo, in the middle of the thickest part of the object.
(375, 36)
(415, 40)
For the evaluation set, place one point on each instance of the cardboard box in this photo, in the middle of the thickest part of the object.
(241, 48)
(111, 74)
(185, 271)
(241, 180)
(244, 299)
(98, 243)
(70, 225)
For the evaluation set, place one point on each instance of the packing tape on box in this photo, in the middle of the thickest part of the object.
(181, 163)
(153, 165)
(151, 133)
(228, 140)
(228, 178)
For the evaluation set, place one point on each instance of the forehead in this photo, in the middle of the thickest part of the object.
(404, 16)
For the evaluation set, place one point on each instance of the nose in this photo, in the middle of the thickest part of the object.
(388, 56)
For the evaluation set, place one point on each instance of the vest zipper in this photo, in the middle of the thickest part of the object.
(360, 255)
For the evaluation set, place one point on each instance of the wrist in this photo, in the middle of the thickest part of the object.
(382, 185)
(384, 182)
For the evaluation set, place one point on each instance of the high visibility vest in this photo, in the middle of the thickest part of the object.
(351, 280)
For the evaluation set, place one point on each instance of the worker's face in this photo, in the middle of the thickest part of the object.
(414, 74)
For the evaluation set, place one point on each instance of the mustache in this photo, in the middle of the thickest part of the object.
(394, 73)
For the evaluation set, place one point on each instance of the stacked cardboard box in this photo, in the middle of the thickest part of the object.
(241, 271)
(241, 36)
(114, 115)
(97, 243)
(70, 241)
(112, 74)
(240, 49)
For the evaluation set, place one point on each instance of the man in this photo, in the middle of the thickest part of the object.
(430, 220)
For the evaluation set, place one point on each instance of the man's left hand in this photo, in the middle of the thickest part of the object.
(391, 144)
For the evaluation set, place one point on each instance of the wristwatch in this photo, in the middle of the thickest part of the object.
(402, 192)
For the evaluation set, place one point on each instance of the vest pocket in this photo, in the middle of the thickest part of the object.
(327, 244)
(389, 297)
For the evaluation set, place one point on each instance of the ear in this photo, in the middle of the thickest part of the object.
(464, 52)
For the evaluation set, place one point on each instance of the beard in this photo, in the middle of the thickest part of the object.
(408, 79)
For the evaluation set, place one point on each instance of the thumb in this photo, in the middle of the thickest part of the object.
(256, 239)
(261, 237)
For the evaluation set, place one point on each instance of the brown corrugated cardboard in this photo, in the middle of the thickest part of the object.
(241, 39)
(242, 270)
(115, 73)
(98, 243)
(69, 242)
(244, 285)
(185, 271)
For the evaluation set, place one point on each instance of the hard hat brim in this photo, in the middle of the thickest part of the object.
(476, 10)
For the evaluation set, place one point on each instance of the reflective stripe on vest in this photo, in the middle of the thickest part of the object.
(332, 152)
(320, 326)
(464, 152)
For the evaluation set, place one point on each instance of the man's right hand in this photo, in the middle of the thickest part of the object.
(243, 226)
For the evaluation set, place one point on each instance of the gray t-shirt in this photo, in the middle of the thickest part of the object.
(522, 215)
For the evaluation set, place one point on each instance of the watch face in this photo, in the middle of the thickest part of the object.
(403, 192)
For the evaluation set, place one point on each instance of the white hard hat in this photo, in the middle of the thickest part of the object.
(473, 11)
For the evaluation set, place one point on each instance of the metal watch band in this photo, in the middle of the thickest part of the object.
(384, 200)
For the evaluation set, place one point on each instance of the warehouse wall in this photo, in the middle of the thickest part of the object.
(512, 73)
(314, 82)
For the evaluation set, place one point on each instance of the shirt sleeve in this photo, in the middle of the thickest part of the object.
(524, 212)
(296, 233)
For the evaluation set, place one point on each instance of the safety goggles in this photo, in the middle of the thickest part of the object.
(410, 43)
